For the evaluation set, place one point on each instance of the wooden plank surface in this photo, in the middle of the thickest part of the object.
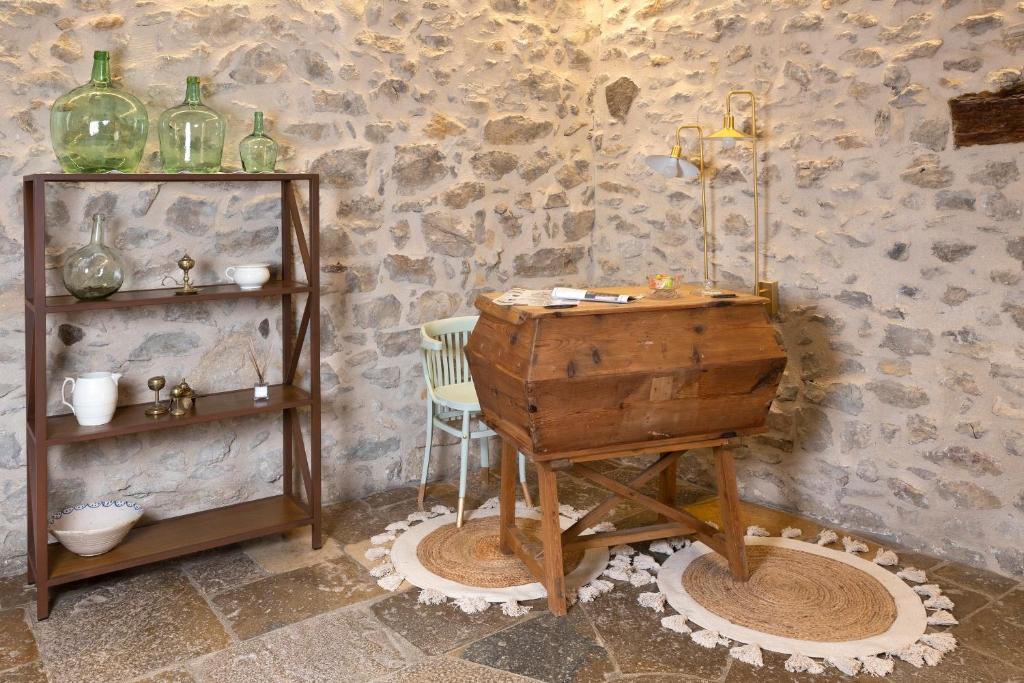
(65, 303)
(689, 297)
(133, 419)
(181, 536)
(988, 118)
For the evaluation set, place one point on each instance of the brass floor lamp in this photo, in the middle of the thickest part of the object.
(769, 289)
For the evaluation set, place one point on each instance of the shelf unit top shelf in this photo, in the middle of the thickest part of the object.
(179, 536)
(168, 177)
(132, 419)
(65, 303)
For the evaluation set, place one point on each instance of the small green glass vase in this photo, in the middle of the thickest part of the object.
(191, 134)
(96, 127)
(95, 271)
(258, 151)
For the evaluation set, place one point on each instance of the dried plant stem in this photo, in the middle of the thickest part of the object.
(259, 363)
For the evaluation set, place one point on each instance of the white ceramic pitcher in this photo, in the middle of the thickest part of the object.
(93, 397)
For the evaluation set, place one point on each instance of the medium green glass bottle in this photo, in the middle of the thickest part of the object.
(258, 151)
(96, 127)
(191, 134)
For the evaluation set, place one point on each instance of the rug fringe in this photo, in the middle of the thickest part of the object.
(791, 532)
(827, 537)
(677, 623)
(919, 654)
(441, 510)
(514, 609)
(943, 642)
(853, 545)
(640, 578)
(418, 516)
(383, 539)
(381, 570)
(644, 561)
(748, 654)
(391, 582)
(755, 530)
(939, 602)
(377, 553)
(848, 665)
(472, 605)
(432, 596)
(679, 542)
(709, 639)
(799, 663)
(928, 590)
(912, 574)
(626, 550)
(654, 601)
(876, 666)
(601, 527)
(662, 548)
(401, 525)
(590, 591)
(886, 558)
(942, 618)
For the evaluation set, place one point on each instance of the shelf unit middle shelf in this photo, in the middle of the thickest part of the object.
(63, 429)
(65, 303)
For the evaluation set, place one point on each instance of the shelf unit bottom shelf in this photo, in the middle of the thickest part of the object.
(182, 535)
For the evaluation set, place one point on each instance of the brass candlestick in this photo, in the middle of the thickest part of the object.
(186, 263)
(182, 398)
(156, 384)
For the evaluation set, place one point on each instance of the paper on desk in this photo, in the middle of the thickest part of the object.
(518, 296)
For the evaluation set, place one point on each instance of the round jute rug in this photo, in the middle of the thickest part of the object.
(800, 598)
(466, 562)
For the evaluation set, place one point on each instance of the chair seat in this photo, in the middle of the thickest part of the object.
(461, 396)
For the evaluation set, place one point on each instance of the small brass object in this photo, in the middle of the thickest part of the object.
(182, 399)
(186, 263)
(156, 384)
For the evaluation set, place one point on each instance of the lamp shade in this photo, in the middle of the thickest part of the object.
(729, 133)
(672, 167)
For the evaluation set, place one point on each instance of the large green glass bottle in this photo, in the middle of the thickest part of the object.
(191, 134)
(96, 127)
(258, 151)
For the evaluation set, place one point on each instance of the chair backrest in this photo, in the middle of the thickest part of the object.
(443, 344)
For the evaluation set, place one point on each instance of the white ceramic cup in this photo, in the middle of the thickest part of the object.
(249, 275)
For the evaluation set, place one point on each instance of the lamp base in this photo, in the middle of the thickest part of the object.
(769, 289)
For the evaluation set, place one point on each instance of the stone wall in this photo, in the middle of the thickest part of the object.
(471, 145)
(899, 257)
(452, 143)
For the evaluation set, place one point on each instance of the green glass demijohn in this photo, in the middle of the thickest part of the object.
(191, 134)
(97, 127)
(258, 150)
(95, 271)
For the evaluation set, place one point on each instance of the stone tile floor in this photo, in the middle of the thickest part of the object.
(274, 610)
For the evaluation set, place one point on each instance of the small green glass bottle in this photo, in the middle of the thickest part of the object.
(258, 151)
(96, 127)
(95, 271)
(191, 134)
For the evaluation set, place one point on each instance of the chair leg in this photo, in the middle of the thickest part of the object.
(426, 453)
(463, 467)
(485, 460)
(522, 481)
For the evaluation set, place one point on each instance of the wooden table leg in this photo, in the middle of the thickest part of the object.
(551, 538)
(729, 504)
(667, 487)
(507, 495)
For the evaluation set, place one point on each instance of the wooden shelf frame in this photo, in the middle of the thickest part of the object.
(299, 503)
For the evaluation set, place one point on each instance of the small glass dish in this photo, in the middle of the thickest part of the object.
(663, 286)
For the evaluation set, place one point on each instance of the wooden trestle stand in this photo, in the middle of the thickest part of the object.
(567, 387)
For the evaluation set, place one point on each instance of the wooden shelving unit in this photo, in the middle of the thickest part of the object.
(51, 564)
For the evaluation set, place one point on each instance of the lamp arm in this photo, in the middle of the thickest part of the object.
(757, 210)
(703, 189)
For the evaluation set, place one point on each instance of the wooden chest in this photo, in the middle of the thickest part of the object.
(604, 375)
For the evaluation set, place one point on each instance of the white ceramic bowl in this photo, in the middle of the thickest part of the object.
(94, 528)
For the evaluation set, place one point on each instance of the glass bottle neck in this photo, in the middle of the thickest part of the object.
(101, 68)
(257, 123)
(192, 91)
(97, 230)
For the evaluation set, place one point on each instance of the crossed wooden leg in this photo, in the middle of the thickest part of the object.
(545, 563)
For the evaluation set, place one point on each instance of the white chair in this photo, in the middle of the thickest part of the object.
(450, 396)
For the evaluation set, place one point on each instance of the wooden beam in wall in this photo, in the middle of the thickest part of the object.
(988, 118)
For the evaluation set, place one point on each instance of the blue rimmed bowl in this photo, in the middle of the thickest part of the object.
(94, 528)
